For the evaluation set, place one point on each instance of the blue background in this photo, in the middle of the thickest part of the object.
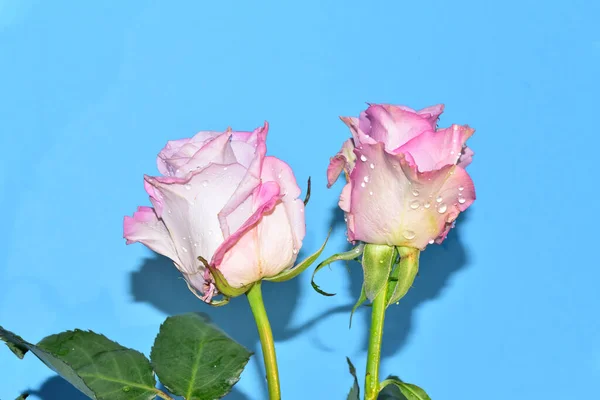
(91, 91)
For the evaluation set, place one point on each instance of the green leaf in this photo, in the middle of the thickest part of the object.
(346, 256)
(359, 302)
(298, 269)
(355, 391)
(195, 359)
(23, 396)
(408, 390)
(107, 369)
(403, 275)
(98, 367)
(307, 197)
(15, 343)
(377, 264)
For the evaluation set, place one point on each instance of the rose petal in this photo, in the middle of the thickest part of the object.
(190, 207)
(358, 133)
(233, 214)
(264, 199)
(433, 150)
(275, 170)
(343, 160)
(466, 157)
(244, 145)
(431, 113)
(393, 125)
(146, 228)
(398, 206)
(216, 150)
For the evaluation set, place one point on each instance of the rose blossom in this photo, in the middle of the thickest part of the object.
(406, 179)
(222, 199)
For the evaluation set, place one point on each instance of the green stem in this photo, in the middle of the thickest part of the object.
(375, 337)
(266, 339)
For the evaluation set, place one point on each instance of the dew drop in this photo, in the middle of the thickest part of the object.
(224, 168)
(372, 166)
(427, 204)
(462, 200)
(370, 193)
(415, 204)
(295, 250)
(184, 238)
(279, 176)
(362, 184)
(126, 389)
(460, 188)
(204, 183)
(363, 158)
(409, 234)
(195, 244)
(187, 186)
(415, 192)
(366, 179)
(439, 199)
(184, 249)
(170, 212)
(431, 241)
(442, 207)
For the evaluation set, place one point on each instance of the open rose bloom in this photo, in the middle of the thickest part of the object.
(406, 179)
(222, 199)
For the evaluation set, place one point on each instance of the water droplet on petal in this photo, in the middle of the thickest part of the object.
(408, 234)
(170, 212)
(442, 208)
(195, 244)
(204, 183)
(184, 249)
(363, 158)
(224, 168)
(210, 232)
(439, 199)
(415, 192)
(460, 188)
(295, 250)
(431, 241)
(372, 166)
(362, 184)
(279, 176)
(184, 238)
(366, 179)
(371, 193)
(415, 204)
(427, 204)
(187, 186)
(462, 200)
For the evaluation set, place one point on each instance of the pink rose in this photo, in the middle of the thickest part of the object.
(222, 199)
(406, 179)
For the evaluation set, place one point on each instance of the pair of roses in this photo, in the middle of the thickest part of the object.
(229, 216)
(223, 199)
